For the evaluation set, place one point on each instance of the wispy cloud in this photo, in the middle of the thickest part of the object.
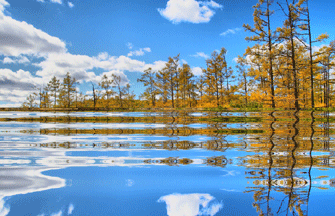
(139, 52)
(201, 55)
(130, 182)
(231, 31)
(130, 45)
(192, 11)
(57, 1)
(70, 210)
(71, 5)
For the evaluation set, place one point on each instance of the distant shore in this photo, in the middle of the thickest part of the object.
(160, 109)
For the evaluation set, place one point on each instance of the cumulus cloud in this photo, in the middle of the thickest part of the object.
(201, 55)
(103, 56)
(192, 11)
(16, 86)
(80, 67)
(139, 52)
(191, 204)
(124, 78)
(231, 31)
(22, 43)
(197, 71)
(18, 38)
(20, 80)
(3, 4)
(19, 60)
(156, 66)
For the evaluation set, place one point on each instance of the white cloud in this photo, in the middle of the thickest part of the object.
(18, 38)
(103, 56)
(16, 86)
(231, 31)
(130, 45)
(4, 209)
(124, 78)
(41, 1)
(70, 210)
(197, 71)
(57, 1)
(183, 61)
(156, 66)
(19, 60)
(189, 11)
(190, 204)
(60, 213)
(22, 43)
(129, 182)
(121, 63)
(71, 5)
(201, 55)
(3, 4)
(147, 49)
(139, 52)
(81, 66)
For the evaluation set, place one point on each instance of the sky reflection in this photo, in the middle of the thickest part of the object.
(191, 204)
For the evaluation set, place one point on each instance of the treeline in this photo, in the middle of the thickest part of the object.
(283, 69)
(65, 94)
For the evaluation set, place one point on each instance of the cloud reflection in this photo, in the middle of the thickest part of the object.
(191, 204)
(60, 213)
(4, 209)
(24, 180)
(70, 210)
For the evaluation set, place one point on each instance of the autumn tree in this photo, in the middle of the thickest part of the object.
(129, 97)
(44, 97)
(106, 85)
(243, 78)
(264, 34)
(291, 36)
(95, 97)
(30, 101)
(325, 58)
(148, 78)
(214, 75)
(201, 85)
(68, 90)
(118, 84)
(186, 85)
(168, 77)
(54, 87)
(305, 26)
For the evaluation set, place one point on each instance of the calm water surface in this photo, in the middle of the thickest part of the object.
(278, 163)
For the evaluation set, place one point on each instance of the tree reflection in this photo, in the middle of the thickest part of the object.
(280, 183)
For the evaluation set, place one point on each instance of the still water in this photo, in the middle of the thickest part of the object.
(186, 164)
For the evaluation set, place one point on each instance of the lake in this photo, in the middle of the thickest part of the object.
(176, 163)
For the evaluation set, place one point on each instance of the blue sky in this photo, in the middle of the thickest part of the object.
(43, 38)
